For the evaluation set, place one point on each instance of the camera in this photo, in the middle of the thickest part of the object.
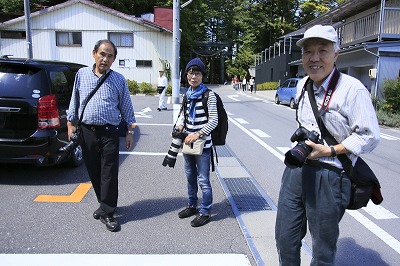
(72, 144)
(298, 154)
(178, 134)
(177, 139)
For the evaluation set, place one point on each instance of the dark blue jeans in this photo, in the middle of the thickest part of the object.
(316, 195)
(197, 169)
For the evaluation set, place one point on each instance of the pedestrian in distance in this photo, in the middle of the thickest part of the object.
(251, 84)
(162, 88)
(235, 82)
(197, 125)
(244, 84)
(101, 115)
(318, 191)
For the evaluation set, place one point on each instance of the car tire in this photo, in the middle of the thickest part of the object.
(76, 158)
(292, 104)
(277, 99)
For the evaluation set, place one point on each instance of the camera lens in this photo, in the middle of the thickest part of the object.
(297, 156)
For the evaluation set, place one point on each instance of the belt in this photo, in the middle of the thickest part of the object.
(319, 164)
(99, 127)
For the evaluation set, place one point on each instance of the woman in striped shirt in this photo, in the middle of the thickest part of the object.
(198, 125)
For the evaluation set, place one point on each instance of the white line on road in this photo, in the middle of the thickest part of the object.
(241, 121)
(260, 133)
(389, 137)
(283, 149)
(233, 97)
(378, 212)
(257, 139)
(376, 230)
(145, 153)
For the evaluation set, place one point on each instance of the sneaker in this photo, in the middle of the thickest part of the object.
(159, 109)
(164, 109)
(200, 220)
(189, 211)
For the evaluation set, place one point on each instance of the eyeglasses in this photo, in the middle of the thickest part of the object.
(194, 73)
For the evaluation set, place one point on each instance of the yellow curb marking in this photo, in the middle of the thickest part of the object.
(76, 196)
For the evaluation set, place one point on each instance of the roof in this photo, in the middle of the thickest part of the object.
(343, 11)
(91, 4)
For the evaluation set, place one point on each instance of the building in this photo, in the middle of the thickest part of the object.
(369, 36)
(68, 32)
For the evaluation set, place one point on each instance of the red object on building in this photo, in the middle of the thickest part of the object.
(163, 17)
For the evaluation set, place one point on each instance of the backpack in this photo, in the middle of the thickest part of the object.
(218, 135)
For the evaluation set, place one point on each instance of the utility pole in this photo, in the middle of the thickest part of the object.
(28, 29)
(176, 44)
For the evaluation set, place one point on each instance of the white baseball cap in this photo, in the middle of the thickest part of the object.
(321, 32)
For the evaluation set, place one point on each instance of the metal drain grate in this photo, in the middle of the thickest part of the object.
(223, 151)
(245, 195)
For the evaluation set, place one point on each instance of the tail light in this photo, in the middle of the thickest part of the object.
(48, 112)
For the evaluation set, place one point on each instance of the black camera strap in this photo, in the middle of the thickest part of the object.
(84, 103)
(345, 161)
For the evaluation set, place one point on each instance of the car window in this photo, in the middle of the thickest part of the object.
(293, 83)
(286, 84)
(62, 81)
(22, 81)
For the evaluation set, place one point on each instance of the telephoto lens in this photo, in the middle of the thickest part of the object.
(170, 158)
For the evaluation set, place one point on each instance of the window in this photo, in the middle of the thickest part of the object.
(122, 63)
(13, 34)
(144, 63)
(121, 39)
(68, 38)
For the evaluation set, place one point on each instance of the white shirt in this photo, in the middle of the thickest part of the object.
(163, 81)
(351, 118)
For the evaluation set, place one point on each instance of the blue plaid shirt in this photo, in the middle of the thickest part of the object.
(109, 104)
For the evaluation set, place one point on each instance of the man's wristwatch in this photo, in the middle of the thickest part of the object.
(333, 152)
(130, 131)
(201, 134)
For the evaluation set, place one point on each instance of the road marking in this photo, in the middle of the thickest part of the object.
(389, 137)
(124, 259)
(76, 196)
(233, 97)
(376, 230)
(260, 133)
(378, 212)
(241, 121)
(258, 140)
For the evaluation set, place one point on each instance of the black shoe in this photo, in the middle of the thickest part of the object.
(110, 222)
(200, 220)
(97, 213)
(164, 109)
(189, 211)
(159, 109)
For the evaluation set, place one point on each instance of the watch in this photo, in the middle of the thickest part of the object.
(333, 152)
(201, 134)
(130, 131)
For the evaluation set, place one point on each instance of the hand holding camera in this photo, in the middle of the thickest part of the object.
(298, 155)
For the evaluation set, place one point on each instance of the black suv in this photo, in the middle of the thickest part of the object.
(34, 97)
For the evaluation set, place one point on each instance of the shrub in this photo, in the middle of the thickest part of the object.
(388, 119)
(267, 86)
(169, 90)
(391, 91)
(147, 89)
(133, 87)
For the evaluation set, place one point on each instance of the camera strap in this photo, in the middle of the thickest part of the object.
(344, 160)
(84, 103)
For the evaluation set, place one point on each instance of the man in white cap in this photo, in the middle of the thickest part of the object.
(162, 88)
(318, 190)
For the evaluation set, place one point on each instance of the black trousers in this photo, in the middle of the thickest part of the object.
(100, 150)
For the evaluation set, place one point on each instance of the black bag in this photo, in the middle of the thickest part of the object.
(160, 89)
(218, 135)
(364, 186)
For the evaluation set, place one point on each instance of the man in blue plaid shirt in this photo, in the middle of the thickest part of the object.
(101, 118)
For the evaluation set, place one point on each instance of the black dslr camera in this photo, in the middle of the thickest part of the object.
(178, 134)
(74, 142)
(298, 154)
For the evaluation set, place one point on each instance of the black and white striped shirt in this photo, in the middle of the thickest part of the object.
(201, 121)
